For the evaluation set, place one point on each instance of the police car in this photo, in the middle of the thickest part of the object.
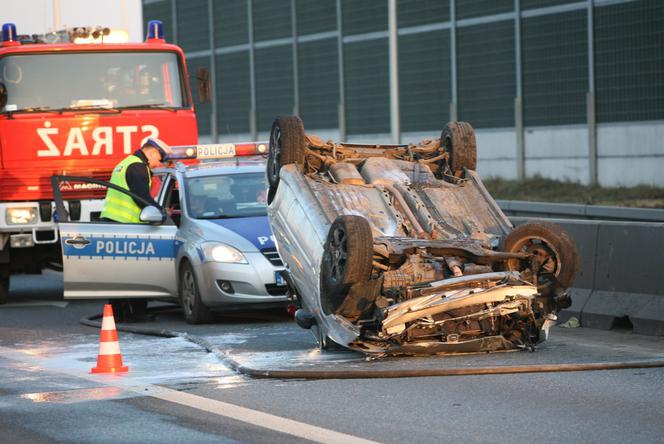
(211, 247)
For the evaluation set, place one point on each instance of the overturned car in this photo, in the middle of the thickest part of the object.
(400, 249)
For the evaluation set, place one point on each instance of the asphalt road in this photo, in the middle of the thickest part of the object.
(177, 392)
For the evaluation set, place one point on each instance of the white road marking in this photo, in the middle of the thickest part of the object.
(243, 414)
(61, 304)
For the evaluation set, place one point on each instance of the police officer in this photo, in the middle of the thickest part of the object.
(134, 173)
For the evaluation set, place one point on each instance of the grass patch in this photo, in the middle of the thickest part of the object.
(539, 189)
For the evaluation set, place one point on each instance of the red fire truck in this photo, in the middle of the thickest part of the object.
(77, 109)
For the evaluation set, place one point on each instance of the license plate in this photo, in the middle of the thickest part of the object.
(279, 279)
(215, 151)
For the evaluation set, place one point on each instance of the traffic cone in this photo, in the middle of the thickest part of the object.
(109, 359)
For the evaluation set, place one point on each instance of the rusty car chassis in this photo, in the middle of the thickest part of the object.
(400, 249)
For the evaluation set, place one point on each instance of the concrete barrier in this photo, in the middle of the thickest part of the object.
(577, 211)
(621, 276)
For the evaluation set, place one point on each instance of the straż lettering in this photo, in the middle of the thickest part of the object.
(100, 142)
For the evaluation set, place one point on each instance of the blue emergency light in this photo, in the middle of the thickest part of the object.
(155, 30)
(8, 32)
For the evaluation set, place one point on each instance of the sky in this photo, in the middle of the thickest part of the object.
(37, 16)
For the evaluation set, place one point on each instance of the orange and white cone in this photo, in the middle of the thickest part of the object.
(109, 359)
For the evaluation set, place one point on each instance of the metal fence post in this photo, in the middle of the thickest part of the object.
(342, 85)
(174, 15)
(518, 101)
(296, 64)
(253, 122)
(213, 74)
(454, 112)
(590, 99)
(395, 117)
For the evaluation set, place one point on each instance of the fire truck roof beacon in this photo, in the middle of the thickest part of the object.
(8, 32)
(155, 30)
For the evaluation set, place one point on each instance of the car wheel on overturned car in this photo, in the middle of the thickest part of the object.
(458, 140)
(190, 298)
(347, 259)
(287, 143)
(555, 257)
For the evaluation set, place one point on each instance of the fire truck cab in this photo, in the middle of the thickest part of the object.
(71, 108)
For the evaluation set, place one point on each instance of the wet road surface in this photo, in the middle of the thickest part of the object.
(176, 392)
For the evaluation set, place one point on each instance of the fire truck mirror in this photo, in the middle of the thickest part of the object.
(3, 95)
(203, 77)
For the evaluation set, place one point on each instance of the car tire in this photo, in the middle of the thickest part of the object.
(287, 143)
(4, 289)
(348, 252)
(190, 298)
(347, 259)
(458, 140)
(552, 245)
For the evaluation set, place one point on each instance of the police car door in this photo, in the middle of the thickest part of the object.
(104, 260)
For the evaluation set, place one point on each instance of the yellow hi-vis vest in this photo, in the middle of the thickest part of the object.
(119, 206)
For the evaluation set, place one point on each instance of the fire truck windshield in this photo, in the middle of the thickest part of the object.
(92, 80)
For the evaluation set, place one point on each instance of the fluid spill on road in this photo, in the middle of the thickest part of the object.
(169, 361)
(79, 395)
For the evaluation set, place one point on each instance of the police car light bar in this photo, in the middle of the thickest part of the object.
(218, 151)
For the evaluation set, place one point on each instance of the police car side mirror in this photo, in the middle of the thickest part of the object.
(152, 215)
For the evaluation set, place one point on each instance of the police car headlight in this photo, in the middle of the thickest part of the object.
(21, 215)
(218, 252)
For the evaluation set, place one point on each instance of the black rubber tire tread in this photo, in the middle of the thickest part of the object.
(557, 237)
(292, 142)
(359, 251)
(200, 314)
(458, 139)
(4, 289)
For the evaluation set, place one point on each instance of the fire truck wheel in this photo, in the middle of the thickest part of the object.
(287, 143)
(458, 140)
(4, 289)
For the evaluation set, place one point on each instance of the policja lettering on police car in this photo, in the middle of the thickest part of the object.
(121, 247)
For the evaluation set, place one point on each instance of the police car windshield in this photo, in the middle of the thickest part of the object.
(89, 81)
(230, 196)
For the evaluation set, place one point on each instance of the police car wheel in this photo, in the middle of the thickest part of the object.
(190, 299)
